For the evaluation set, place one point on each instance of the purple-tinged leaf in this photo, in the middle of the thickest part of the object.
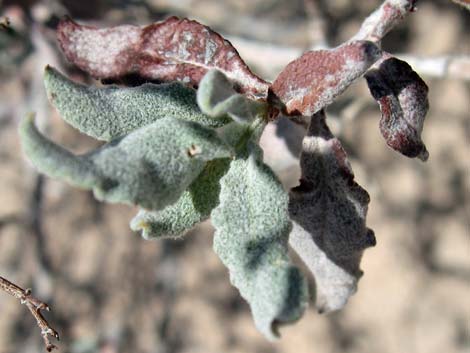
(171, 50)
(403, 99)
(328, 210)
(311, 82)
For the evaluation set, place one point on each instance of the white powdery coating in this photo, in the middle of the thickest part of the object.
(171, 50)
(349, 72)
(382, 20)
(312, 81)
(103, 49)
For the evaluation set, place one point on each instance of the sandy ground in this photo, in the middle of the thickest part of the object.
(112, 291)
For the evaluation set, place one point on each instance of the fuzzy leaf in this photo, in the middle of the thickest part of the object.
(150, 167)
(328, 209)
(55, 161)
(108, 113)
(194, 206)
(252, 227)
(403, 99)
(196, 203)
(312, 81)
(217, 98)
(171, 50)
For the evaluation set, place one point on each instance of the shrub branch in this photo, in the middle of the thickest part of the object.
(35, 306)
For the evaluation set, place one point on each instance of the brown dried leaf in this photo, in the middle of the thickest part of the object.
(328, 209)
(312, 81)
(171, 50)
(403, 99)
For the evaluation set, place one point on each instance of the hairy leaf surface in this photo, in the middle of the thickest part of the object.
(196, 203)
(171, 50)
(151, 167)
(403, 99)
(194, 206)
(328, 209)
(217, 98)
(252, 227)
(108, 113)
(312, 81)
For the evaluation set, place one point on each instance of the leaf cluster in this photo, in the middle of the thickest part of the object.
(184, 148)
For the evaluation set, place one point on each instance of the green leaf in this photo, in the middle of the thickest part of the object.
(202, 196)
(217, 98)
(108, 113)
(194, 206)
(150, 167)
(252, 229)
(53, 160)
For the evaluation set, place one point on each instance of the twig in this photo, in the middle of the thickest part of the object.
(384, 19)
(464, 3)
(35, 306)
(447, 66)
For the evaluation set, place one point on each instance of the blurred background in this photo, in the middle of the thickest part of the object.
(112, 291)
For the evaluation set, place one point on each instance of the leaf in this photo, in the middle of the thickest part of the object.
(194, 206)
(202, 196)
(151, 167)
(328, 209)
(311, 82)
(403, 99)
(108, 113)
(252, 227)
(171, 50)
(217, 98)
(55, 161)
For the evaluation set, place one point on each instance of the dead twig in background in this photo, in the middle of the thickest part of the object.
(35, 306)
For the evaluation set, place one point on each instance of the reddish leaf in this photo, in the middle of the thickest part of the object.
(172, 50)
(328, 209)
(312, 81)
(403, 99)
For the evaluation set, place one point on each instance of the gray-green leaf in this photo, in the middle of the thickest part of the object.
(217, 98)
(329, 209)
(202, 196)
(150, 167)
(111, 112)
(252, 228)
(194, 206)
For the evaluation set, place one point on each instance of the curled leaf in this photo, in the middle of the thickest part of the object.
(55, 161)
(171, 50)
(252, 228)
(328, 209)
(217, 98)
(403, 99)
(312, 81)
(194, 206)
(151, 167)
(111, 112)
